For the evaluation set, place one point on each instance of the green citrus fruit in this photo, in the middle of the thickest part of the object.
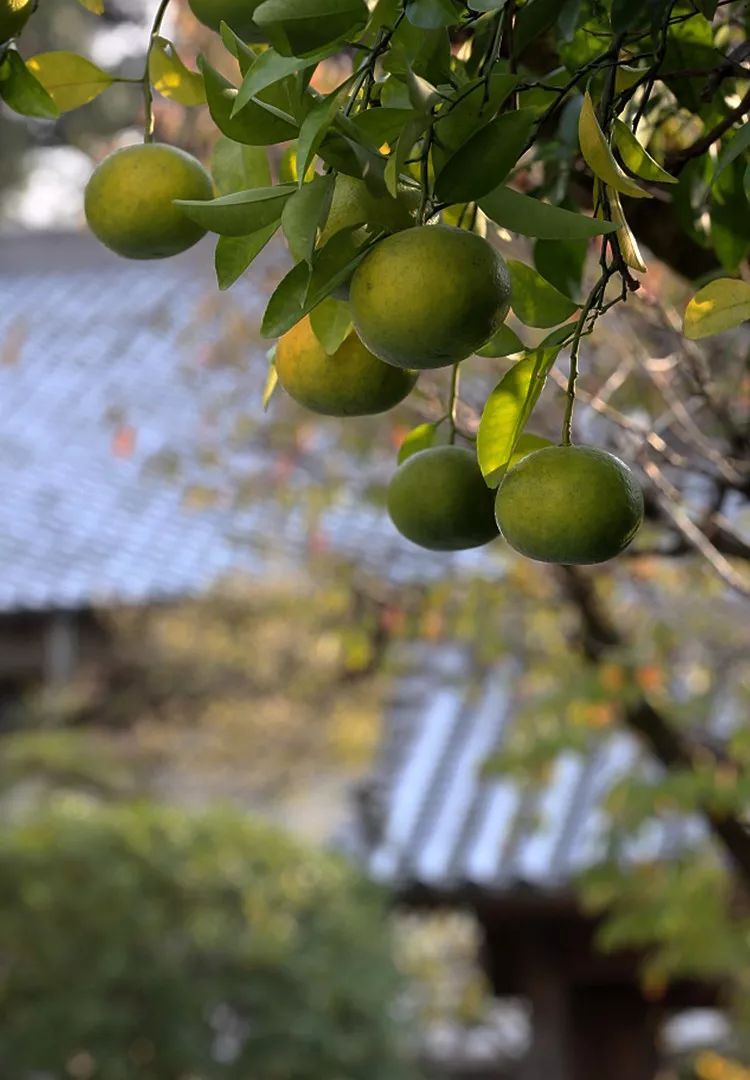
(13, 17)
(428, 297)
(235, 13)
(351, 382)
(569, 504)
(129, 200)
(439, 500)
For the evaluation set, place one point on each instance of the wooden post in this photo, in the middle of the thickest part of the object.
(614, 1033)
(545, 986)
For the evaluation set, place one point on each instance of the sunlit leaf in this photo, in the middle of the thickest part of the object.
(331, 322)
(69, 79)
(598, 154)
(637, 158)
(721, 305)
(304, 214)
(504, 343)
(507, 411)
(419, 438)
(170, 76)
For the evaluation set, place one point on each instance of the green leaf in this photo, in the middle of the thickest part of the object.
(419, 438)
(22, 92)
(240, 213)
(562, 262)
(171, 77)
(431, 14)
(721, 305)
(235, 253)
(475, 105)
(534, 18)
(627, 13)
(303, 27)
(316, 125)
(383, 125)
(503, 343)
(272, 379)
(486, 159)
(267, 69)
(487, 5)
(507, 411)
(637, 158)
(304, 213)
(286, 306)
(413, 130)
(331, 322)
(244, 54)
(534, 301)
(96, 7)
(254, 125)
(731, 150)
(236, 167)
(303, 289)
(598, 155)
(532, 217)
(69, 79)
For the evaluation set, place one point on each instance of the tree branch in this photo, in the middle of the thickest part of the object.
(671, 746)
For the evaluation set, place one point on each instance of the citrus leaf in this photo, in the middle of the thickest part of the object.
(419, 438)
(413, 130)
(503, 343)
(235, 253)
(637, 158)
(720, 305)
(254, 125)
(22, 92)
(171, 77)
(240, 213)
(486, 159)
(304, 288)
(732, 150)
(304, 213)
(598, 155)
(96, 7)
(236, 167)
(285, 308)
(507, 411)
(303, 27)
(562, 262)
(272, 379)
(331, 322)
(532, 217)
(316, 125)
(431, 14)
(267, 69)
(69, 79)
(629, 249)
(627, 13)
(534, 301)
(244, 54)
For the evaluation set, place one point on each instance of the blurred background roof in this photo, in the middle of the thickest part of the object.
(109, 370)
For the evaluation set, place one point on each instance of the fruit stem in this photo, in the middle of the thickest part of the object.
(148, 94)
(594, 297)
(453, 401)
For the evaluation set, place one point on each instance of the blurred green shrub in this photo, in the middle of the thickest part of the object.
(138, 941)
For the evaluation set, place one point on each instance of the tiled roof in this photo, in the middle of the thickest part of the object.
(431, 820)
(102, 369)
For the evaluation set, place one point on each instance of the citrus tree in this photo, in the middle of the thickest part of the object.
(604, 135)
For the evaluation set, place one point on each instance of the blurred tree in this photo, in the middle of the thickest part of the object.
(140, 941)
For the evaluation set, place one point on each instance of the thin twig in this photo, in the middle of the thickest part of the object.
(148, 93)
